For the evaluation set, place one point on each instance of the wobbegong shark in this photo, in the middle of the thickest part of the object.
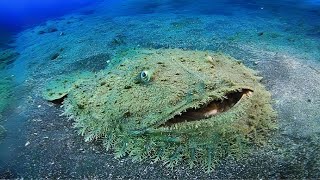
(169, 105)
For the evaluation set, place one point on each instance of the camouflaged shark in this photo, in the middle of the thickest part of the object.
(170, 105)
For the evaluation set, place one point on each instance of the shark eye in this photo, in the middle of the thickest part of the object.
(145, 76)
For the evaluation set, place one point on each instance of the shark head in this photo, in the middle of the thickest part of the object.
(172, 105)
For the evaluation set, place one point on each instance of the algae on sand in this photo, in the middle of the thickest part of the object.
(6, 96)
(7, 57)
(2, 133)
(172, 105)
(5, 90)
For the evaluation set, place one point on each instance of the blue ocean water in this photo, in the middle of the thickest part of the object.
(41, 40)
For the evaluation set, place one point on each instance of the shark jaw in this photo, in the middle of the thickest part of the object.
(209, 109)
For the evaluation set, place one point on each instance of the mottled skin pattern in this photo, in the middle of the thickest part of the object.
(130, 113)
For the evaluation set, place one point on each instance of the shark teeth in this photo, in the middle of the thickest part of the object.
(209, 109)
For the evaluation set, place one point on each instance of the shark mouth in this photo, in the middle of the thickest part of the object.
(210, 109)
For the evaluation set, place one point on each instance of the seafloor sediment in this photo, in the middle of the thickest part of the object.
(42, 144)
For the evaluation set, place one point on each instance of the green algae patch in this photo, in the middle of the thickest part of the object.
(7, 57)
(173, 106)
(2, 133)
(6, 86)
(63, 84)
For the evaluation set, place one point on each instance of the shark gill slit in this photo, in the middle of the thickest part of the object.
(210, 109)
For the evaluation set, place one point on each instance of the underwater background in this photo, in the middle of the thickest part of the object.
(41, 40)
